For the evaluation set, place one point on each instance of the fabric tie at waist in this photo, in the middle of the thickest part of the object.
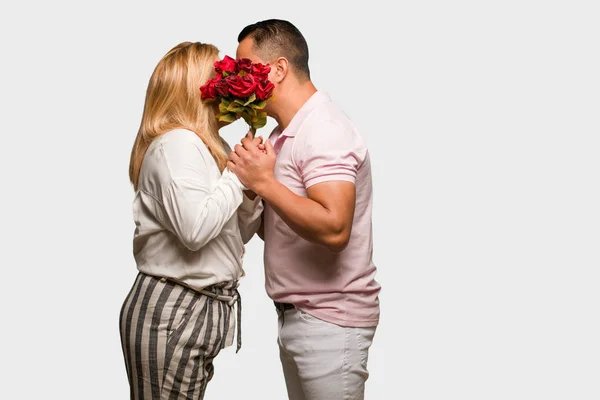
(232, 299)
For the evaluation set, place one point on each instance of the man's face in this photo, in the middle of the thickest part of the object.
(245, 50)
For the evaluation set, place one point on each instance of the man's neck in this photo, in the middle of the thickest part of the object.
(292, 102)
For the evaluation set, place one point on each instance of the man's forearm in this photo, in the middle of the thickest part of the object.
(308, 218)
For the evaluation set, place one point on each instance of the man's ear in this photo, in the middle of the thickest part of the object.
(280, 69)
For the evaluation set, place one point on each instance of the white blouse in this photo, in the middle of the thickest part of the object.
(191, 221)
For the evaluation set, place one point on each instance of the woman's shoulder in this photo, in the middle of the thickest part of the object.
(173, 153)
(178, 136)
(181, 143)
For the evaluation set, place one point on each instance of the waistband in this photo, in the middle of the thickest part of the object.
(224, 291)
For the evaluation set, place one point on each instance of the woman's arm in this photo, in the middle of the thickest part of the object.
(196, 202)
(249, 216)
(197, 212)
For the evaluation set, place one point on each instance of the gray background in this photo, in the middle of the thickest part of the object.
(482, 122)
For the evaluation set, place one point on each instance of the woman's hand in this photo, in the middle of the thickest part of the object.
(257, 141)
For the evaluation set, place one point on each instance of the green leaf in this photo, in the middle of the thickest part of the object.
(261, 120)
(250, 99)
(236, 107)
(246, 114)
(259, 105)
(223, 106)
(227, 117)
(239, 101)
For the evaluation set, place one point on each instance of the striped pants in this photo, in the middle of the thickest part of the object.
(170, 335)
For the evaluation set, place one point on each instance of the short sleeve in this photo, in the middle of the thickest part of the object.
(329, 151)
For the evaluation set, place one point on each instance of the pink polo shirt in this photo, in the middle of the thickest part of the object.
(322, 144)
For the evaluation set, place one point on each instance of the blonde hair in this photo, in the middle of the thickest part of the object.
(173, 101)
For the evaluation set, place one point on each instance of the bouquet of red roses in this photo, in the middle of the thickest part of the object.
(242, 90)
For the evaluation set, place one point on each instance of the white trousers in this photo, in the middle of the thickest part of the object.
(323, 361)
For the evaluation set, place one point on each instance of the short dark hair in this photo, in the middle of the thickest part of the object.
(279, 38)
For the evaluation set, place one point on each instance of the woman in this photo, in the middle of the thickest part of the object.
(192, 221)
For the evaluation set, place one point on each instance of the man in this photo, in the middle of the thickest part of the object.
(314, 176)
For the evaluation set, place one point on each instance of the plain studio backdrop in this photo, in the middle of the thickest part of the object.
(482, 119)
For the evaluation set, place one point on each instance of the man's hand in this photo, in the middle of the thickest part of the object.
(253, 162)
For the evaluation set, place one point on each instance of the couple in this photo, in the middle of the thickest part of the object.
(306, 191)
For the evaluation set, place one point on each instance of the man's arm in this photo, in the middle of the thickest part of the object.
(324, 217)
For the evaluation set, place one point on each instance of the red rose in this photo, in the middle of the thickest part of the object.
(222, 87)
(227, 64)
(208, 90)
(244, 64)
(260, 71)
(264, 89)
(241, 86)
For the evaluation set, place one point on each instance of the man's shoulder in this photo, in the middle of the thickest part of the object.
(331, 117)
(331, 112)
(329, 123)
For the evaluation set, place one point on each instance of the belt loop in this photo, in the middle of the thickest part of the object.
(282, 309)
